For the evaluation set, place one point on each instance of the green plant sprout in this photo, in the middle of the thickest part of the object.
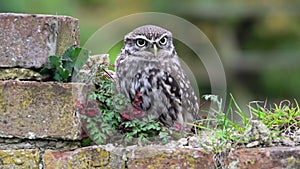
(61, 68)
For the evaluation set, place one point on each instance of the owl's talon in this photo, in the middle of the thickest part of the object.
(176, 127)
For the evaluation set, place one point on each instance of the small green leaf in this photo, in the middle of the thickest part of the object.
(81, 59)
(86, 141)
(45, 71)
(65, 74)
(55, 61)
(57, 76)
(68, 54)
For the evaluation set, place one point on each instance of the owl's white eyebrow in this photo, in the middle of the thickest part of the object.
(163, 35)
(150, 40)
(145, 38)
(141, 37)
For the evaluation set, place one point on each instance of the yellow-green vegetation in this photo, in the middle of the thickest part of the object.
(283, 118)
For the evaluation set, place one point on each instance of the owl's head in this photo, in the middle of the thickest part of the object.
(150, 42)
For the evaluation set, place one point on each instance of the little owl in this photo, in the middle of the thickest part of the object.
(149, 74)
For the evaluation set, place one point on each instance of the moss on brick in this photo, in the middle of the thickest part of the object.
(163, 157)
(40, 109)
(28, 39)
(23, 158)
(271, 157)
(88, 157)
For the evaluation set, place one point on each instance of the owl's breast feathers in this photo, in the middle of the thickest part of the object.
(158, 92)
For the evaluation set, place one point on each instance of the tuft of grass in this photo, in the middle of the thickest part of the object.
(282, 119)
(265, 126)
(218, 128)
(218, 132)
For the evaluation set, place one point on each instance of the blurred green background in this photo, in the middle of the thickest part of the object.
(257, 41)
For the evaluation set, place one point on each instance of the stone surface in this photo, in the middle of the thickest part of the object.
(17, 143)
(88, 157)
(130, 157)
(20, 74)
(163, 157)
(26, 158)
(40, 109)
(27, 40)
(264, 158)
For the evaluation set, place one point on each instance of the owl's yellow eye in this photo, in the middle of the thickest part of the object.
(163, 41)
(141, 42)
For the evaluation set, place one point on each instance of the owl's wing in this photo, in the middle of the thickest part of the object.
(190, 105)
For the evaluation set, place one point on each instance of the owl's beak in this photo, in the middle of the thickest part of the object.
(155, 50)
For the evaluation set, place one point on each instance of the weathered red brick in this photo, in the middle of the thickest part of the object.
(27, 40)
(87, 157)
(40, 109)
(137, 157)
(265, 158)
(163, 157)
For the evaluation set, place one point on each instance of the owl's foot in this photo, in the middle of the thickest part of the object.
(137, 102)
(180, 129)
(176, 127)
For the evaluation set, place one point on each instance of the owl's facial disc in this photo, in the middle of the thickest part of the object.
(153, 45)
